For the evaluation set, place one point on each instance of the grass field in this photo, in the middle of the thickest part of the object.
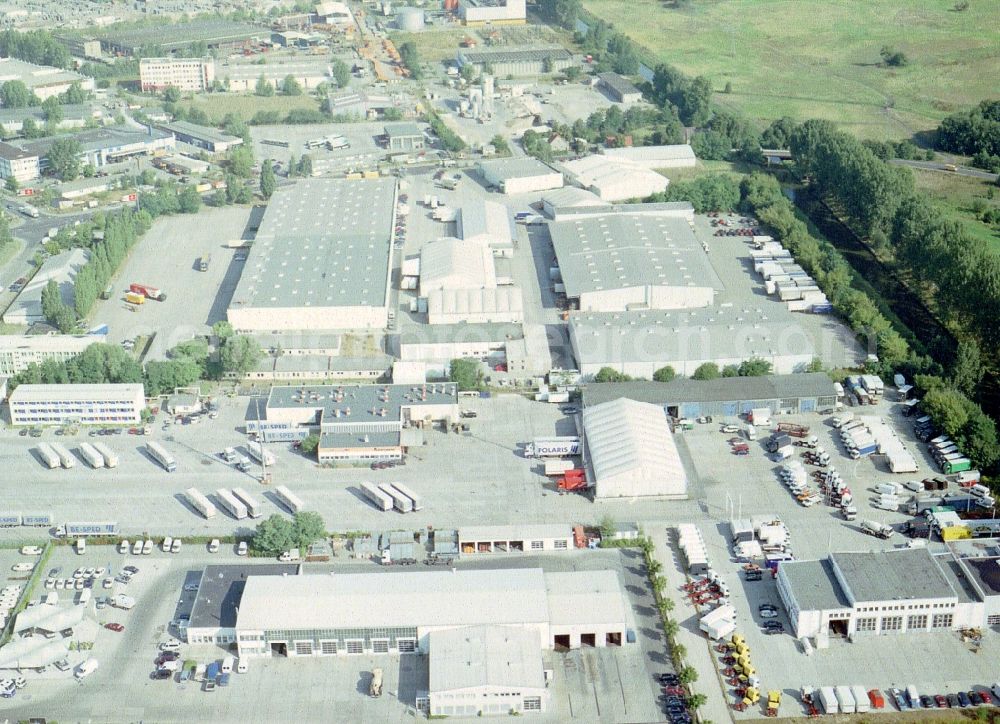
(956, 196)
(217, 105)
(433, 46)
(820, 58)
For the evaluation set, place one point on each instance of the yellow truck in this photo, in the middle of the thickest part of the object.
(133, 298)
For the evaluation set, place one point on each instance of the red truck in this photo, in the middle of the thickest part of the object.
(794, 430)
(575, 479)
(148, 291)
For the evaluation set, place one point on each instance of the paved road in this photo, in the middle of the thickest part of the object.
(935, 166)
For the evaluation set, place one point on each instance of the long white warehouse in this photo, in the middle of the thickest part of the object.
(110, 404)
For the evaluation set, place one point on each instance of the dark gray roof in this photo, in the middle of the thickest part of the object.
(724, 389)
(814, 585)
(897, 575)
(193, 130)
(13, 153)
(514, 55)
(221, 588)
(169, 36)
(402, 130)
(358, 439)
(101, 139)
(618, 83)
(355, 404)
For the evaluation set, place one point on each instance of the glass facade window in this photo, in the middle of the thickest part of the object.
(380, 646)
(918, 621)
(941, 620)
(532, 703)
(328, 648)
(303, 648)
(355, 646)
(406, 646)
(867, 624)
(561, 545)
(892, 623)
(537, 545)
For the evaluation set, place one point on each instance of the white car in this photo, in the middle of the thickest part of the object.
(167, 542)
(22, 567)
(78, 573)
(137, 548)
(20, 682)
(175, 547)
(241, 549)
(50, 583)
(123, 546)
(170, 646)
(213, 546)
(60, 583)
(31, 551)
(79, 584)
(108, 583)
(768, 613)
(147, 547)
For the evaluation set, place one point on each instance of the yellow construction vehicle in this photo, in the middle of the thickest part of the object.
(773, 702)
(750, 697)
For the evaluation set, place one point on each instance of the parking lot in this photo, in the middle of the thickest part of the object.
(167, 258)
(364, 151)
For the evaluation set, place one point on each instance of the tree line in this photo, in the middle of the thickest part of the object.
(974, 133)
(36, 46)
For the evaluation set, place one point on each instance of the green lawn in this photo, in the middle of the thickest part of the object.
(820, 58)
(217, 105)
(432, 45)
(955, 196)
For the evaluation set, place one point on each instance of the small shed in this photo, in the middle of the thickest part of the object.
(183, 404)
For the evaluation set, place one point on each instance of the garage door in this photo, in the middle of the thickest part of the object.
(807, 405)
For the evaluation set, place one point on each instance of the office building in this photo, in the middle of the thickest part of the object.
(185, 74)
(100, 404)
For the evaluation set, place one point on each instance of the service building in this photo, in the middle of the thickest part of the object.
(517, 61)
(403, 137)
(320, 260)
(494, 12)
(611, 180)
(679, 155)
(205, 137)
(18, 163)
(619, 89)
(100, 404)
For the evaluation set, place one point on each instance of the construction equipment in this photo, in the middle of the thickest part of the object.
(750, 697)
(773, 702)
(808, 699)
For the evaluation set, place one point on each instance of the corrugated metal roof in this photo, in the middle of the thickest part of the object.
(456, 264)
(471, 657)
(724, 389)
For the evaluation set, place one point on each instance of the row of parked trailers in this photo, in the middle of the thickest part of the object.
(30, 520)
(97, 455)
(848, 699)
(387, 496)
(239, 503)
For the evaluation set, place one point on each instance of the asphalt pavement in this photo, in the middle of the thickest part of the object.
(935, 166)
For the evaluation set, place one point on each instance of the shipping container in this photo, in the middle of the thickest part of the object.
(200, 503)
(251, 504)
(288, 499)
(10, 520)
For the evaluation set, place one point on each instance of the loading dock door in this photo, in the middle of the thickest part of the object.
(561, 642)
(588, 639)
(613, 638)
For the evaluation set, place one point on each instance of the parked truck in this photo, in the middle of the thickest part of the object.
(148, 292)
(259, 453)
(552, 447)
(879, 530)
(557, 466)
(828, 698)
(794, 430)
(249, 502)
(37, 520)
(200, 503)
(65, 458)
(379, 499)
(48, 455)
(288, 499)
(133, 298)
(76, 530)
(414, 498)
(110, 458)
(89, 453)
(778, 441)
(231, 504)
(375, 687)
(161, 456)
(845, 699)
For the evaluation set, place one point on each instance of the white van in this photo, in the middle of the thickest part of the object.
(979, 490)
(167, 542)
(81, 546)
(242, 667)
(85, 669)
(123, 547)
(84, 597)
(227, 665)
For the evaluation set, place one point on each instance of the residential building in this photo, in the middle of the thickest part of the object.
(107, 404)
(17, 352)
(185, 74)
(17, 163)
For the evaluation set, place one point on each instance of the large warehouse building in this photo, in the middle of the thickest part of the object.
(517, 61)
(638, 343)
(519, 175)
(612, 180)
(726, 396)
(612, 262)
(111, 404)
(495, 12)
(680, 155)
(630, 451)
(873, 593)
(321, 259)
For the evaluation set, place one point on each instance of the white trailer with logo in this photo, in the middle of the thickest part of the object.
(259, 453)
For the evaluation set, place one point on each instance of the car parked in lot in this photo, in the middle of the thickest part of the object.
(116, 627)
(964, 700)
(768, 610)
(953, 700)
(940, 701)
(160, 675)
(773, 627)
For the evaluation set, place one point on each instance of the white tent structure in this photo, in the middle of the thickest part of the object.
(32, 652)
(500, 305)
(48, 618)
(632, 452)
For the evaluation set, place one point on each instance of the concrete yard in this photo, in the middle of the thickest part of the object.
(166, 257)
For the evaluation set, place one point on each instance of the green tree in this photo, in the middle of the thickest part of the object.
(696, 701)
(968, 369)
(754, 367)
(664, 374)
(273, 536)
(468, 72)
(241, 161)
(163, 376)
(264, 87)
(30, 129)
(52, 111)
(171, 94)
(671, 628)
(75, 94)
(305, 166)
(309, 444)
(307, 528)
(341, 73)
(467, 373)
(500, 144)
(706, 371)
(64, 158)
(688, 675)
(189, 200)
(610, 374)
(290, 86)
(15, 94)
(607, 527)
(12, 185)
(223, 330)
(240, 354)
(268, 181)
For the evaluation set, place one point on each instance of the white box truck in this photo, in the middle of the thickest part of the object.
(288, 499)
(845, 699)
(200, 503)
(861, 703)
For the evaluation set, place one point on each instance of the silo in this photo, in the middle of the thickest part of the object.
(410, 20)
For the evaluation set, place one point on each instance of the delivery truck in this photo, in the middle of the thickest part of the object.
(91, 455)
(48, 455)
(552, 447)
(200, 503)
(379, 499)
(160, 454)
(874, 528)
(147, 291)
(231, 504)
(557, 466)
(110, 458)
(76, 530)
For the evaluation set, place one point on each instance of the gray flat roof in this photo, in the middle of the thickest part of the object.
(515, 55)
(507, 168)
(364, 401)
(687, 335)
(618, 251)
(101, 138)
(814, 585)
(35, 76)
(435, 333)
(724, 389)
(402, 130)
(221, 588)
(358, 439)
(475, 656)
(619, 83)
(169, 36)
(197, 131)
(891, 575)
(322, 243)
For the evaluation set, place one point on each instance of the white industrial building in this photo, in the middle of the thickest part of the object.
(455, 264)
(664, 209)
(569, 197)
(321, 259)
(618, 261)
(242, 77)
(653, 157)
(185, 74)
(499, 305)
(99, 404)
(613, 180)
(519, 175)
(630, 451)
(640, 342)
(522, 538)
(62, 269)
(878, 593)
(496, 12)
(366, 613)
(44, 81)
(17, 352)
(487, 222)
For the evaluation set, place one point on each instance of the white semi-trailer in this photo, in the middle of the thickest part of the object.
(161, 456)
(379, 499)
(251, 504)
(48, 455)
(260, 454)
(231, 504)
(414, 498)
(288, 499)
(200, 503)
(65, 457)
(89, 453)
(110, 458)
(399, 501)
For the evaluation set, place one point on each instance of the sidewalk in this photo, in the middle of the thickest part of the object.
(699, 654)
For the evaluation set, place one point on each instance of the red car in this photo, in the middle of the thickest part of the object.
(941, 702)
(117, 627)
